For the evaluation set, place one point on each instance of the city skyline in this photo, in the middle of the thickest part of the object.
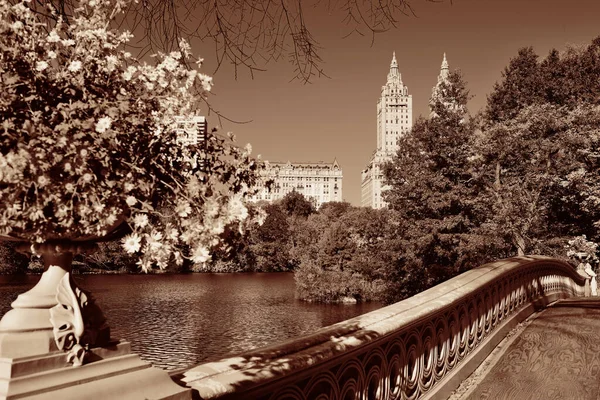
(336, 116)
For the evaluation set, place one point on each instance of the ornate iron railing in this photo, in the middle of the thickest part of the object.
(422, 347)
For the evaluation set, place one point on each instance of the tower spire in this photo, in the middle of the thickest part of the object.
(444, 70)
(394, 74)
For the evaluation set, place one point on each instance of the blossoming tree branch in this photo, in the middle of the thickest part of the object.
(88, 142)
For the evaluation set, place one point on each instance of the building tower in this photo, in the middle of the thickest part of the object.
(442, 94)
(394, 119)
(436, 92)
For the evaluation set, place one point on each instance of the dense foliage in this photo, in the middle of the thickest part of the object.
(539, 153)
(11, 261)
(434, 191)
(522, 178)
(88, 139)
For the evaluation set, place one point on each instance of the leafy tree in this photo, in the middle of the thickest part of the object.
(334, 209)
(580, 71)
(520, 86)
(348, 258)
(538, 153)
(431, 177)
(434, 191)
(540, 170)
(554, 79)
(11, 261)
(294, 204)
(271, 241)
(565, 80)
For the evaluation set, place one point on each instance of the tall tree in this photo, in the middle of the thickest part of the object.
(581, 66)
(433, 189)
(537, 151)
(294, 204)
(520, 86)
(540, 170)
(271, 241)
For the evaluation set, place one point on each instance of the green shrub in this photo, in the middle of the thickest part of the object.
(11, 261)
(110, 256)
(315, 284)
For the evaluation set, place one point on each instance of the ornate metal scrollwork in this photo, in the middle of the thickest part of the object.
(410, 360)
(78, 323)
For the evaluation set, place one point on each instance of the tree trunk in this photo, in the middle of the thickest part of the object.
(497, 182)
(519, 241)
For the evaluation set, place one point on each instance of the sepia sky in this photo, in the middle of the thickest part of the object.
(336, 117)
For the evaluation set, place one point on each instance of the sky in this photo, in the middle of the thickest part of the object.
(335, 117)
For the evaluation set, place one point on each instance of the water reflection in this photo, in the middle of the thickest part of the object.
(176, 321)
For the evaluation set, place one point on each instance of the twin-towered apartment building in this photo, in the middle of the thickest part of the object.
(394, 120)
(321, 182)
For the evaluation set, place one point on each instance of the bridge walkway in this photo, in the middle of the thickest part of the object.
(556, 356)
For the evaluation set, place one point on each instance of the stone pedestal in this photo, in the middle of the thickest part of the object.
(35, 364)
(111, 373)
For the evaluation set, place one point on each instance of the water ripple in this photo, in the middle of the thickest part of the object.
(175, 321)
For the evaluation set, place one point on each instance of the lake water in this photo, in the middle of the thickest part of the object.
(176, 321)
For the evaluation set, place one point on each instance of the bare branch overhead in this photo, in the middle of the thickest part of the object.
(250, 33)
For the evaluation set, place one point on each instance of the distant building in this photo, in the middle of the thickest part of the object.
(394, 119)
(442, 96)
(442, 78)
(319, 182)
(191, 130)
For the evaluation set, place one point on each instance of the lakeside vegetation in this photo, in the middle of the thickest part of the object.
(520, 177)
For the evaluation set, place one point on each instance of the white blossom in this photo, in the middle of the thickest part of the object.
(237, 209)
(128, 74)
(183, 209)
(41, 65)
(140, 221)
(94, 173)
(74, 66)
(132, 243)
(201, 255)
(42, 181)
(103, 124)
(169, 63)
(111, 62)
(53, 37)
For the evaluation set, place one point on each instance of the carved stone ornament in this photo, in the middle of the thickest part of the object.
(77, 322)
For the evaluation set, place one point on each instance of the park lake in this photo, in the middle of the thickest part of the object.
(176, 321)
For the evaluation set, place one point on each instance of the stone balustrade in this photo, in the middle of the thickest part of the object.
(422, 347)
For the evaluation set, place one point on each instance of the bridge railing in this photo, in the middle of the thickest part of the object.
(421, 347)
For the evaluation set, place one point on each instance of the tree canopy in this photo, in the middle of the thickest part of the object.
(538, 150)
(433, 190)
